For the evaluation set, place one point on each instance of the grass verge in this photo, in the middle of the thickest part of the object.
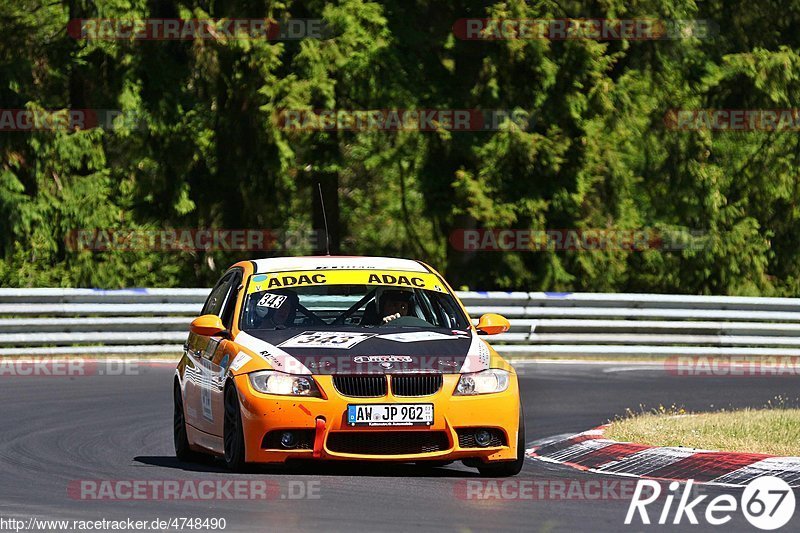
(771, 431)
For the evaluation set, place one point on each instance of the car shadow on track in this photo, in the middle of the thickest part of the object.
(316, 468)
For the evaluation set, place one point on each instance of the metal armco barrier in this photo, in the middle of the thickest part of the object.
(155, 321)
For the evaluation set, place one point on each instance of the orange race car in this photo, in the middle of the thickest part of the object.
(345, 358)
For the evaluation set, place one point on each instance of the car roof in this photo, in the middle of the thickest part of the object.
(327, 262)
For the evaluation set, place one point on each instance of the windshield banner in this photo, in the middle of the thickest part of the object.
(308, 278)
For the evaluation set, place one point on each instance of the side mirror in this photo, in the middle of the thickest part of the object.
(208, 326)
(492, 324)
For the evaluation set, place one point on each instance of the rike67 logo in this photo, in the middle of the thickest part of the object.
(767, 503)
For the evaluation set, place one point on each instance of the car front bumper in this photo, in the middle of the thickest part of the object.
(324, 421)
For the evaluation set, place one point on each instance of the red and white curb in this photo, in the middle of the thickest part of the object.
(590, 451)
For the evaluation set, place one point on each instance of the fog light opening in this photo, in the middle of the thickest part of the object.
(288, 439)
(483, 438)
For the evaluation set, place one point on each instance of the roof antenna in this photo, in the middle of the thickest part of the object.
(325, 219)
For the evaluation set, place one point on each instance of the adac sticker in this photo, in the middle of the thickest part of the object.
(288, 279)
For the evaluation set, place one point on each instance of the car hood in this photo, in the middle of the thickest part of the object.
(368, 350)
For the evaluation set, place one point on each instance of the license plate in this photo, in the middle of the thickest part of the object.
(397, 414)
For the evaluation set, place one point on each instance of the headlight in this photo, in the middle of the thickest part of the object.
(486, 382)
(271, 382)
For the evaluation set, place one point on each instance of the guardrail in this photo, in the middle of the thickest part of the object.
(86, 321)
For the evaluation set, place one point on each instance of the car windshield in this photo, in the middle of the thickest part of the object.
(299, 300)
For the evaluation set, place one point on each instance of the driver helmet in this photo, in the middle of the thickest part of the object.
(384, 295)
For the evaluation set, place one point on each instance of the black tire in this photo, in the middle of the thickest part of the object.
(232, 432)
(508, 468)
(182, 450)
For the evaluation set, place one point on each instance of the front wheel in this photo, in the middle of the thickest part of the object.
(233, 434)
(508, 468)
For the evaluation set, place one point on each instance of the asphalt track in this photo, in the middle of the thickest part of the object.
(57, 431)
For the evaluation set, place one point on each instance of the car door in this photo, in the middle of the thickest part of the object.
(222, 355)
(204, 375)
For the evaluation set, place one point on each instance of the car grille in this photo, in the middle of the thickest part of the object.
(388, 442)
(360, 386)
(416, 384)
(407, 385)
(466, 438)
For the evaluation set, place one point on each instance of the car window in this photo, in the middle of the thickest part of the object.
(229, 305)
(218, 295)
